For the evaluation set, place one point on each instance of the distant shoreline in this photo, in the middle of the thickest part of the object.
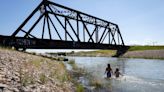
(146, 52)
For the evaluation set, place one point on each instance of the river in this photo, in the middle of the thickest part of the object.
(139, 75)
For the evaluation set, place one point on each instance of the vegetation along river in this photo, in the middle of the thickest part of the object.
(139, 75)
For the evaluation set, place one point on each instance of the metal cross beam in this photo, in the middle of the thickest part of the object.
(57, 22)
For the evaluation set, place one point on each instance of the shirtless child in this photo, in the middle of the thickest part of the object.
(117, 73)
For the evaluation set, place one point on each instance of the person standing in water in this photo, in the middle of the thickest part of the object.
(108, 71)
(117, 73)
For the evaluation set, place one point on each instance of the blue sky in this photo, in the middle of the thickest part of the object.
(141, 21)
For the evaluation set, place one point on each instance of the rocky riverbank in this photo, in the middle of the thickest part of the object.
(21, 72)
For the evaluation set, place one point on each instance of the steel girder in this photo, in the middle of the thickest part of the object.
(102, 31)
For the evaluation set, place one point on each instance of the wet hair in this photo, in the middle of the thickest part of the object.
(108, 65)
(117, 69)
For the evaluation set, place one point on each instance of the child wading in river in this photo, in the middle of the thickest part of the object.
(117, 73)
(108, 71)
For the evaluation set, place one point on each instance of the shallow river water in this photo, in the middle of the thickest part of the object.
(139, 75)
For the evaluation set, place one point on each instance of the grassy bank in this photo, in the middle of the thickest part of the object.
(137, 48)
(146, 52)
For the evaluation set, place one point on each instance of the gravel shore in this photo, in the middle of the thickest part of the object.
(21, 72)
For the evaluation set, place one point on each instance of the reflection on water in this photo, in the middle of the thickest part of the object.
(139, 75)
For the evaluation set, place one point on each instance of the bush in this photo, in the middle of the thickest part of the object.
(42, 78)
(80, 88)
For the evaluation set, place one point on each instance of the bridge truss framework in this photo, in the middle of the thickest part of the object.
(77, 30)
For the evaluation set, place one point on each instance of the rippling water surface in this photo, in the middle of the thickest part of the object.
(139, 75)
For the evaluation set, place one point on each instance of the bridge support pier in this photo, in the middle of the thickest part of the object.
(121, 51)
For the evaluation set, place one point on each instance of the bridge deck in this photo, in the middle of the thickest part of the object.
(33, 43)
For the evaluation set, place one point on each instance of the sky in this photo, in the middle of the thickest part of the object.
(141, 22)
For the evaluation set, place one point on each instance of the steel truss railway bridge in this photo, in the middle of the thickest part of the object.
(54, 26)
